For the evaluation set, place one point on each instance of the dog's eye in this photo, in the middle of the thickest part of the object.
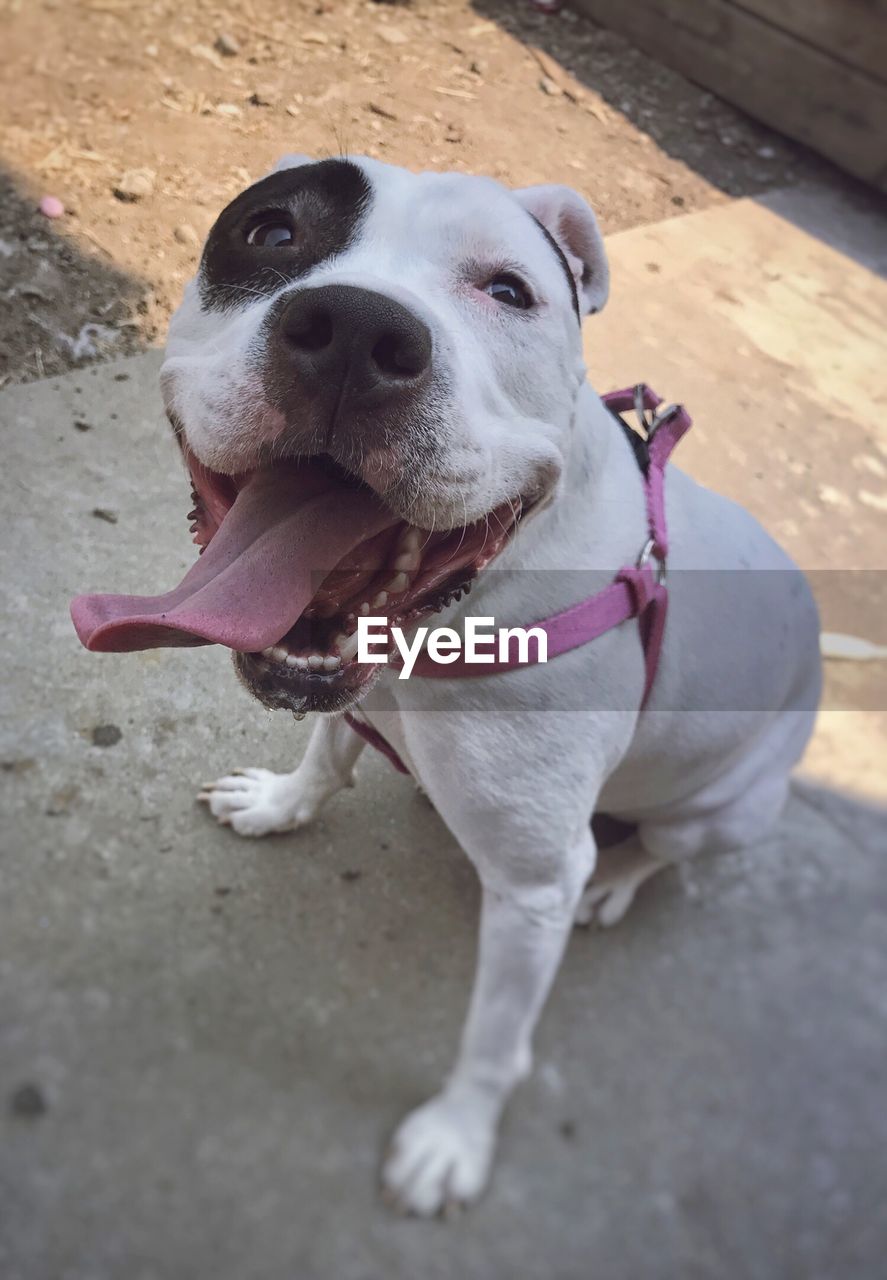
(274, 231)
(510, 291)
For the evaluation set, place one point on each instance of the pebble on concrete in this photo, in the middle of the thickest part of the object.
(106, 735)
(28, 1102)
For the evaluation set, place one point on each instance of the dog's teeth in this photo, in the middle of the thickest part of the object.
(315, 661)
(408, 562)
(398, 583)
(279, 654)
(301, 662)
(347, 646)
(292, 660)
(365, 607)
(412, 539)
(381, 600)
(332, 662)
(268, 653)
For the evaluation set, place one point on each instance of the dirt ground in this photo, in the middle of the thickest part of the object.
(199, 97)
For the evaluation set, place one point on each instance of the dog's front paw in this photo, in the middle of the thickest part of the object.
(256, 802)
(440, 1157)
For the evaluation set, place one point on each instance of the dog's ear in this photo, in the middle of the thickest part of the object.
(571, 223)
(290, 161)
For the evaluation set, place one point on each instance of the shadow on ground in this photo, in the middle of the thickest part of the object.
(62, 308)
(720, 142)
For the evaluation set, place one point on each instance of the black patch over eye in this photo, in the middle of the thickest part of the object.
(271, 231)
(279, 229)
(510, 291)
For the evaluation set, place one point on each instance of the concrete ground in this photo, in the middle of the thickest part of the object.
(205, 1042)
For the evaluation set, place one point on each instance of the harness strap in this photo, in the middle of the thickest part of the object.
(375, 739)
(663, 433)
(626, 597)
(636, 592)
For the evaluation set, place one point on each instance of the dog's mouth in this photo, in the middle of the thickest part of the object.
(291, 556)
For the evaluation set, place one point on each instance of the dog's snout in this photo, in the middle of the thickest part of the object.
(368, 346)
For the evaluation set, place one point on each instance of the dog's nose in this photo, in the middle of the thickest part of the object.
(366, 346)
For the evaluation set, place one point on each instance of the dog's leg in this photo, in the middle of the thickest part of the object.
(441, 1155)
(619, 874)
(256, 801)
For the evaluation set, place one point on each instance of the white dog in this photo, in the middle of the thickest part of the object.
(377, 383)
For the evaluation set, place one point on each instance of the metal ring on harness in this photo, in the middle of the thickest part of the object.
(646, 555)
(651, 420)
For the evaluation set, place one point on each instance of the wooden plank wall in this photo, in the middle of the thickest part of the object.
(814, 69)
(853, 31)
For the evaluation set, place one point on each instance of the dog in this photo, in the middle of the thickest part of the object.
(377, 383)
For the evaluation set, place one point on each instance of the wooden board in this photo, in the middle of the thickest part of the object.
(853, 31)
(830, 106)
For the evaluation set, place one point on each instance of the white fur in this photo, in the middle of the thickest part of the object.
(514, 783)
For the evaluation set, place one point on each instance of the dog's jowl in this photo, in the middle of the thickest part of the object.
(377, 385)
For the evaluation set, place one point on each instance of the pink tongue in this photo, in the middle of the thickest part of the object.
(287, 529)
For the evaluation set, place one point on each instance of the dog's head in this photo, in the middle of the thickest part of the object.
(380, 369)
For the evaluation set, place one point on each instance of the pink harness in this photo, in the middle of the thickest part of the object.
(637, 591)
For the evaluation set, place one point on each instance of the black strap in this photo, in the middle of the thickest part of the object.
(636, 441)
